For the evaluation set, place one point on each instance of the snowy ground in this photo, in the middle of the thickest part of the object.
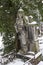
(19, 61)
(16, 61)
(40, 63)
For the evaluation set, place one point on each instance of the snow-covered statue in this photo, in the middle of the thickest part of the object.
(20, 30)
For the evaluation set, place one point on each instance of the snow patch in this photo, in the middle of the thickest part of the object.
(40, 63)
(21, 9)
(31, 16)
(42, 1)
(1, 6)
(37, 55)
(30, 56)
(18, 62)
(1, 42)
(34, 22)
(31, 52)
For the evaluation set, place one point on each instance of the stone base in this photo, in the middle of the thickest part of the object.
(23, 50)
(35, 47)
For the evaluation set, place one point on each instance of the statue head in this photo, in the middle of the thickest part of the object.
(20, 12)
(30, 18)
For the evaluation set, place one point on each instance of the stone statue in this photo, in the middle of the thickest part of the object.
(24, 31)
(20, 29)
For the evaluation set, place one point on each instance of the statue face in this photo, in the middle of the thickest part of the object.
(20, 14)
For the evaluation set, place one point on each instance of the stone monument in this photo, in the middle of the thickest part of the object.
(20, 30)
(26, 32)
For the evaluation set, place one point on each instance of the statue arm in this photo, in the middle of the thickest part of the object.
(16, 28)
(25, 20)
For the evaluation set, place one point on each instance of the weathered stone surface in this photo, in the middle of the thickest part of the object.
(26, 32)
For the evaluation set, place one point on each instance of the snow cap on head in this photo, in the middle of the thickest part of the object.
(31, 16)
(20, 10)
